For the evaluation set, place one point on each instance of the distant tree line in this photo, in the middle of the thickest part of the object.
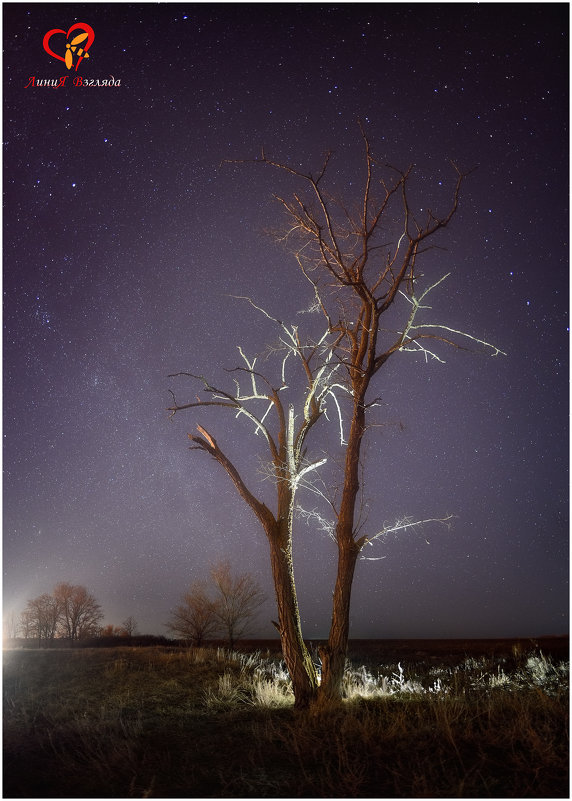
(70, 615)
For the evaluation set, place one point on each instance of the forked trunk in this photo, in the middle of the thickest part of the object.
(298, 660)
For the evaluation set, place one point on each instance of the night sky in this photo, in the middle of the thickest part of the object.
(125, 236)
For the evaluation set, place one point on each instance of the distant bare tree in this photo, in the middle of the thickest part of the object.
(42, 616)
(27, 629)
(195, 619)
(129, 626)
(238, 598)
(70, 612)
(79, 611)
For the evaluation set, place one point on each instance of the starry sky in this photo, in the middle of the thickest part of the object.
(125, 236)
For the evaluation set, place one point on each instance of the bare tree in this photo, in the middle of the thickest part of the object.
(362, 266)
(195, 619)
(41, 617)
(27, 626)
(79, 611)
(238, 598)
(70, 612)
(129, 626)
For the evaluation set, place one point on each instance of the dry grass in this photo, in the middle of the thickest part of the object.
(160, 722)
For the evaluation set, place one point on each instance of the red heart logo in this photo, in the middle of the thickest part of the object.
(84, 27)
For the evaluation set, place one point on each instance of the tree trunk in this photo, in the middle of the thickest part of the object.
(298, 660)
(334, 653)
(279, 533)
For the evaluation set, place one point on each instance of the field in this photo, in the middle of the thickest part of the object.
(475, 719)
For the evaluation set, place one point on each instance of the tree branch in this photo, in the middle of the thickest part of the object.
(209, 444)
(402, 525)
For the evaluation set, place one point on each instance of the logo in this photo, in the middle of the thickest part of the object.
(75, 49)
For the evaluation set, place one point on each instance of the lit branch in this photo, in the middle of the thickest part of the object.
(321, 381)
(322, 523)
(408, 337)
(338, 409)
(402, 525)
(496, 351)
(313, 466)
(250, 366)
(225, 399)
(421, 349)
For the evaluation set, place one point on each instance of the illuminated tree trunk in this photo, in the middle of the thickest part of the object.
(278, 531)
(298, 660)
(334, 654)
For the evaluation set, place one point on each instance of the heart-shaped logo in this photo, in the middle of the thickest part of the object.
(78, 46)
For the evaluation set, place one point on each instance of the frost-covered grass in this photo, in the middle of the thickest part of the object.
(161, 722)
(482, 674)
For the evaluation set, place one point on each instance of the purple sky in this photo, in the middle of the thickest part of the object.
(124, 237)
